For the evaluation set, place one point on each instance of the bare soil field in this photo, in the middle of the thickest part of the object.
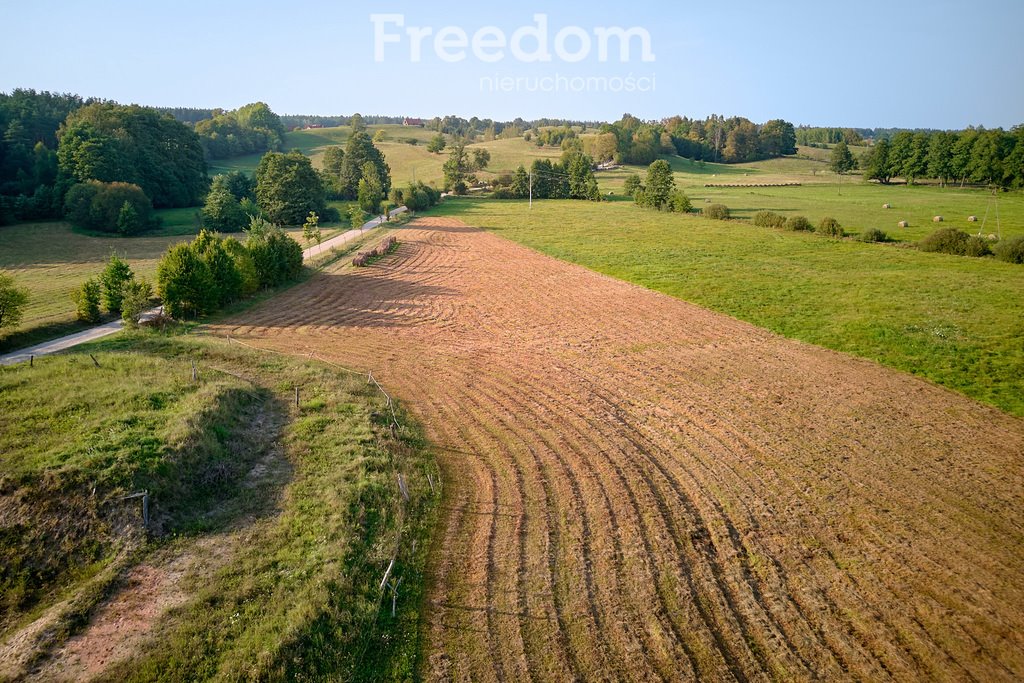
(640, 489)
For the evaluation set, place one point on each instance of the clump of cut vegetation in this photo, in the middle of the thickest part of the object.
(365, 258)
(799, 223)
(873, 235)
(956, 242)
(769, 219)
(830, 227)
(1010, 250)
(718, 212)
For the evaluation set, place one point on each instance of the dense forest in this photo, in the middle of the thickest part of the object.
(51, 142)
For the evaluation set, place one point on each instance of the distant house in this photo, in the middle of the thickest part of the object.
(314, 125)
(412, 122)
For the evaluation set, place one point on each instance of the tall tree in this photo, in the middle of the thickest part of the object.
(456, 168)
(659, 185)
(360, 149)
(288, 188)
(842, 160)
(876, 162)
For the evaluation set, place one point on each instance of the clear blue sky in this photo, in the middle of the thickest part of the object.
(937, 64)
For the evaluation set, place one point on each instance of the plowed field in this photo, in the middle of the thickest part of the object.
(640, 489)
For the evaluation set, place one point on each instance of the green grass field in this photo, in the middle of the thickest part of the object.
(300, 498)
(856, 205)
(953, 320)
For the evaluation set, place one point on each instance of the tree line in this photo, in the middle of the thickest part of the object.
(976, 155)
(250, 129)
(52, 143)
(727, 140)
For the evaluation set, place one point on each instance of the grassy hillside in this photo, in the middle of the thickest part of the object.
(953, 320)
(299, 500)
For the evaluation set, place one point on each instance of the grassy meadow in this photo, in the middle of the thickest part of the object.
(857, 205)
(953, 320)
(299, 502)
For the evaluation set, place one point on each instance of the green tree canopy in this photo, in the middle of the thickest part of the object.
(184, 283)
(288, 188)
(659, 184)
(359, 149)
(138, 145)
(842, 160)
(13, 300)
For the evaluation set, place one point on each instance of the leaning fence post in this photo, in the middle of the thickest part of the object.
(31, 361)
(195, 373)
(296, 395)
(145, 509)
(95, 362)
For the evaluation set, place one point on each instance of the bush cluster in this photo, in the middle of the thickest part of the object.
(799, 223)
(1010, 250)
(417, 196)
(121, 208)
(116, 289)
(719, 212)
(873, 235)
(829, 227)
(211, 271)
(769, 219)
(956, 242)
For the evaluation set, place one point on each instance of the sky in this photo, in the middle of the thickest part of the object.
(908, 64)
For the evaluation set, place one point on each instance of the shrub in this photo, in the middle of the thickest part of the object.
(977, 246)
(277, 257)
(873, 235)
(678, 202)
(246, 267)
(769, 219)
(1010, 250)
(830, 227)
(185, 283)
(799, 223)
(719, 212)
(114, 277)
(135, 301)
(13, 300)
(227, 281)
(632, 184)
(946, 241)
(87, 301)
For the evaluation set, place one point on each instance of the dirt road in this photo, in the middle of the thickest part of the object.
(640, 489)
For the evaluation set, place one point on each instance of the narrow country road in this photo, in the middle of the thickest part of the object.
(66, 342)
